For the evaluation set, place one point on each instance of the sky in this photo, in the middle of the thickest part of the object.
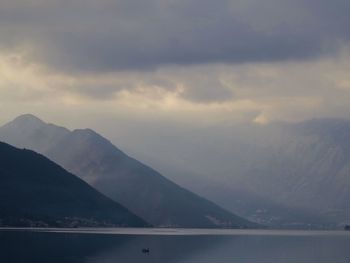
(117, 65)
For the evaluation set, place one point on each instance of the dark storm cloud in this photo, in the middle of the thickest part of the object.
(111, 35)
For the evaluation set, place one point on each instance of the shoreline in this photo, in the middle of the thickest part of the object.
(179, 231)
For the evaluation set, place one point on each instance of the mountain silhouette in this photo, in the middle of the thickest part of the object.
(35, 191)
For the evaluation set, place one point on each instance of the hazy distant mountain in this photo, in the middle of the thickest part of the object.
(135, 185)
(34, 191)
(307, 166)
(311, 167)
(280, 174)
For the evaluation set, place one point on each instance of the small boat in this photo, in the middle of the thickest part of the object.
(145, 250)
(347, 227)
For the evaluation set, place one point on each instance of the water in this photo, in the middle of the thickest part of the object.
(174, 245)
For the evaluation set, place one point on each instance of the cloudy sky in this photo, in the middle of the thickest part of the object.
(111, 63)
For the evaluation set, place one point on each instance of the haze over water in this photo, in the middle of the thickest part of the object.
(185, 246)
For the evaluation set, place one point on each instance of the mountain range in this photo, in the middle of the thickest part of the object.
(139, 188)
(34, 191)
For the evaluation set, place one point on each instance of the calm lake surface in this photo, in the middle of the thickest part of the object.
(173, 245)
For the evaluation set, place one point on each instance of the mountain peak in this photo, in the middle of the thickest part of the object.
(28, 119)
(26, 122)
(86, 131)
(90, 137)
(28, 116)
(28, 131)
(88, 134)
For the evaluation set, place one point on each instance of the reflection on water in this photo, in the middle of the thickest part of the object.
(27, 246)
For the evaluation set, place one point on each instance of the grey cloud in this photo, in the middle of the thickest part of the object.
(115, 35)
(203, 87)
(208, 94)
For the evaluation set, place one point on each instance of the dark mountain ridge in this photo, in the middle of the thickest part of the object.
(34, 191)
